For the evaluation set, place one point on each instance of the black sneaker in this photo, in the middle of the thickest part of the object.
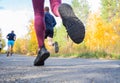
(8, 54)
(11, 54)
(74, 26)
(56, 47)
(43, 54)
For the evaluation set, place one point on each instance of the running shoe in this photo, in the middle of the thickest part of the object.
(43, 54)
(56, 47)
(75, 28)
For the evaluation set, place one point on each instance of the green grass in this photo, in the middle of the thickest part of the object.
(96, 54)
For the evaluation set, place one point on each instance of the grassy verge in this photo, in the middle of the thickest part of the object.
(96, 54)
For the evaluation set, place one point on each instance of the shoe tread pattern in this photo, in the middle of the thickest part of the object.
(73, 25)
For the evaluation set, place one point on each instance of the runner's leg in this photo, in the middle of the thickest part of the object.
(38, 7)
(11, 50)
(39, 23)
(54, 6)
(8, 47)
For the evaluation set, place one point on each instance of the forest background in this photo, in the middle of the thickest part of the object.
(102, 38)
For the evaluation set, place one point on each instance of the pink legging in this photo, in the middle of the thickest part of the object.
(39, 23)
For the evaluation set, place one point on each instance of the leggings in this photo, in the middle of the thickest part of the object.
(39, 23)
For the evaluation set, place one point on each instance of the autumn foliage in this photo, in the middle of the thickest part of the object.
(32, 46)
(101, 35)
(102, 38)
(27, 45)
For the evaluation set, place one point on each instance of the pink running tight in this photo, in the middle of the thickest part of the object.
(39, 23)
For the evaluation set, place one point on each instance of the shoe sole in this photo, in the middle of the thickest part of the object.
(73, 25)
(7, 54)
(56, 47)
(40, 60)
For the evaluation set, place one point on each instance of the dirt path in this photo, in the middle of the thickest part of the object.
(20, 69)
